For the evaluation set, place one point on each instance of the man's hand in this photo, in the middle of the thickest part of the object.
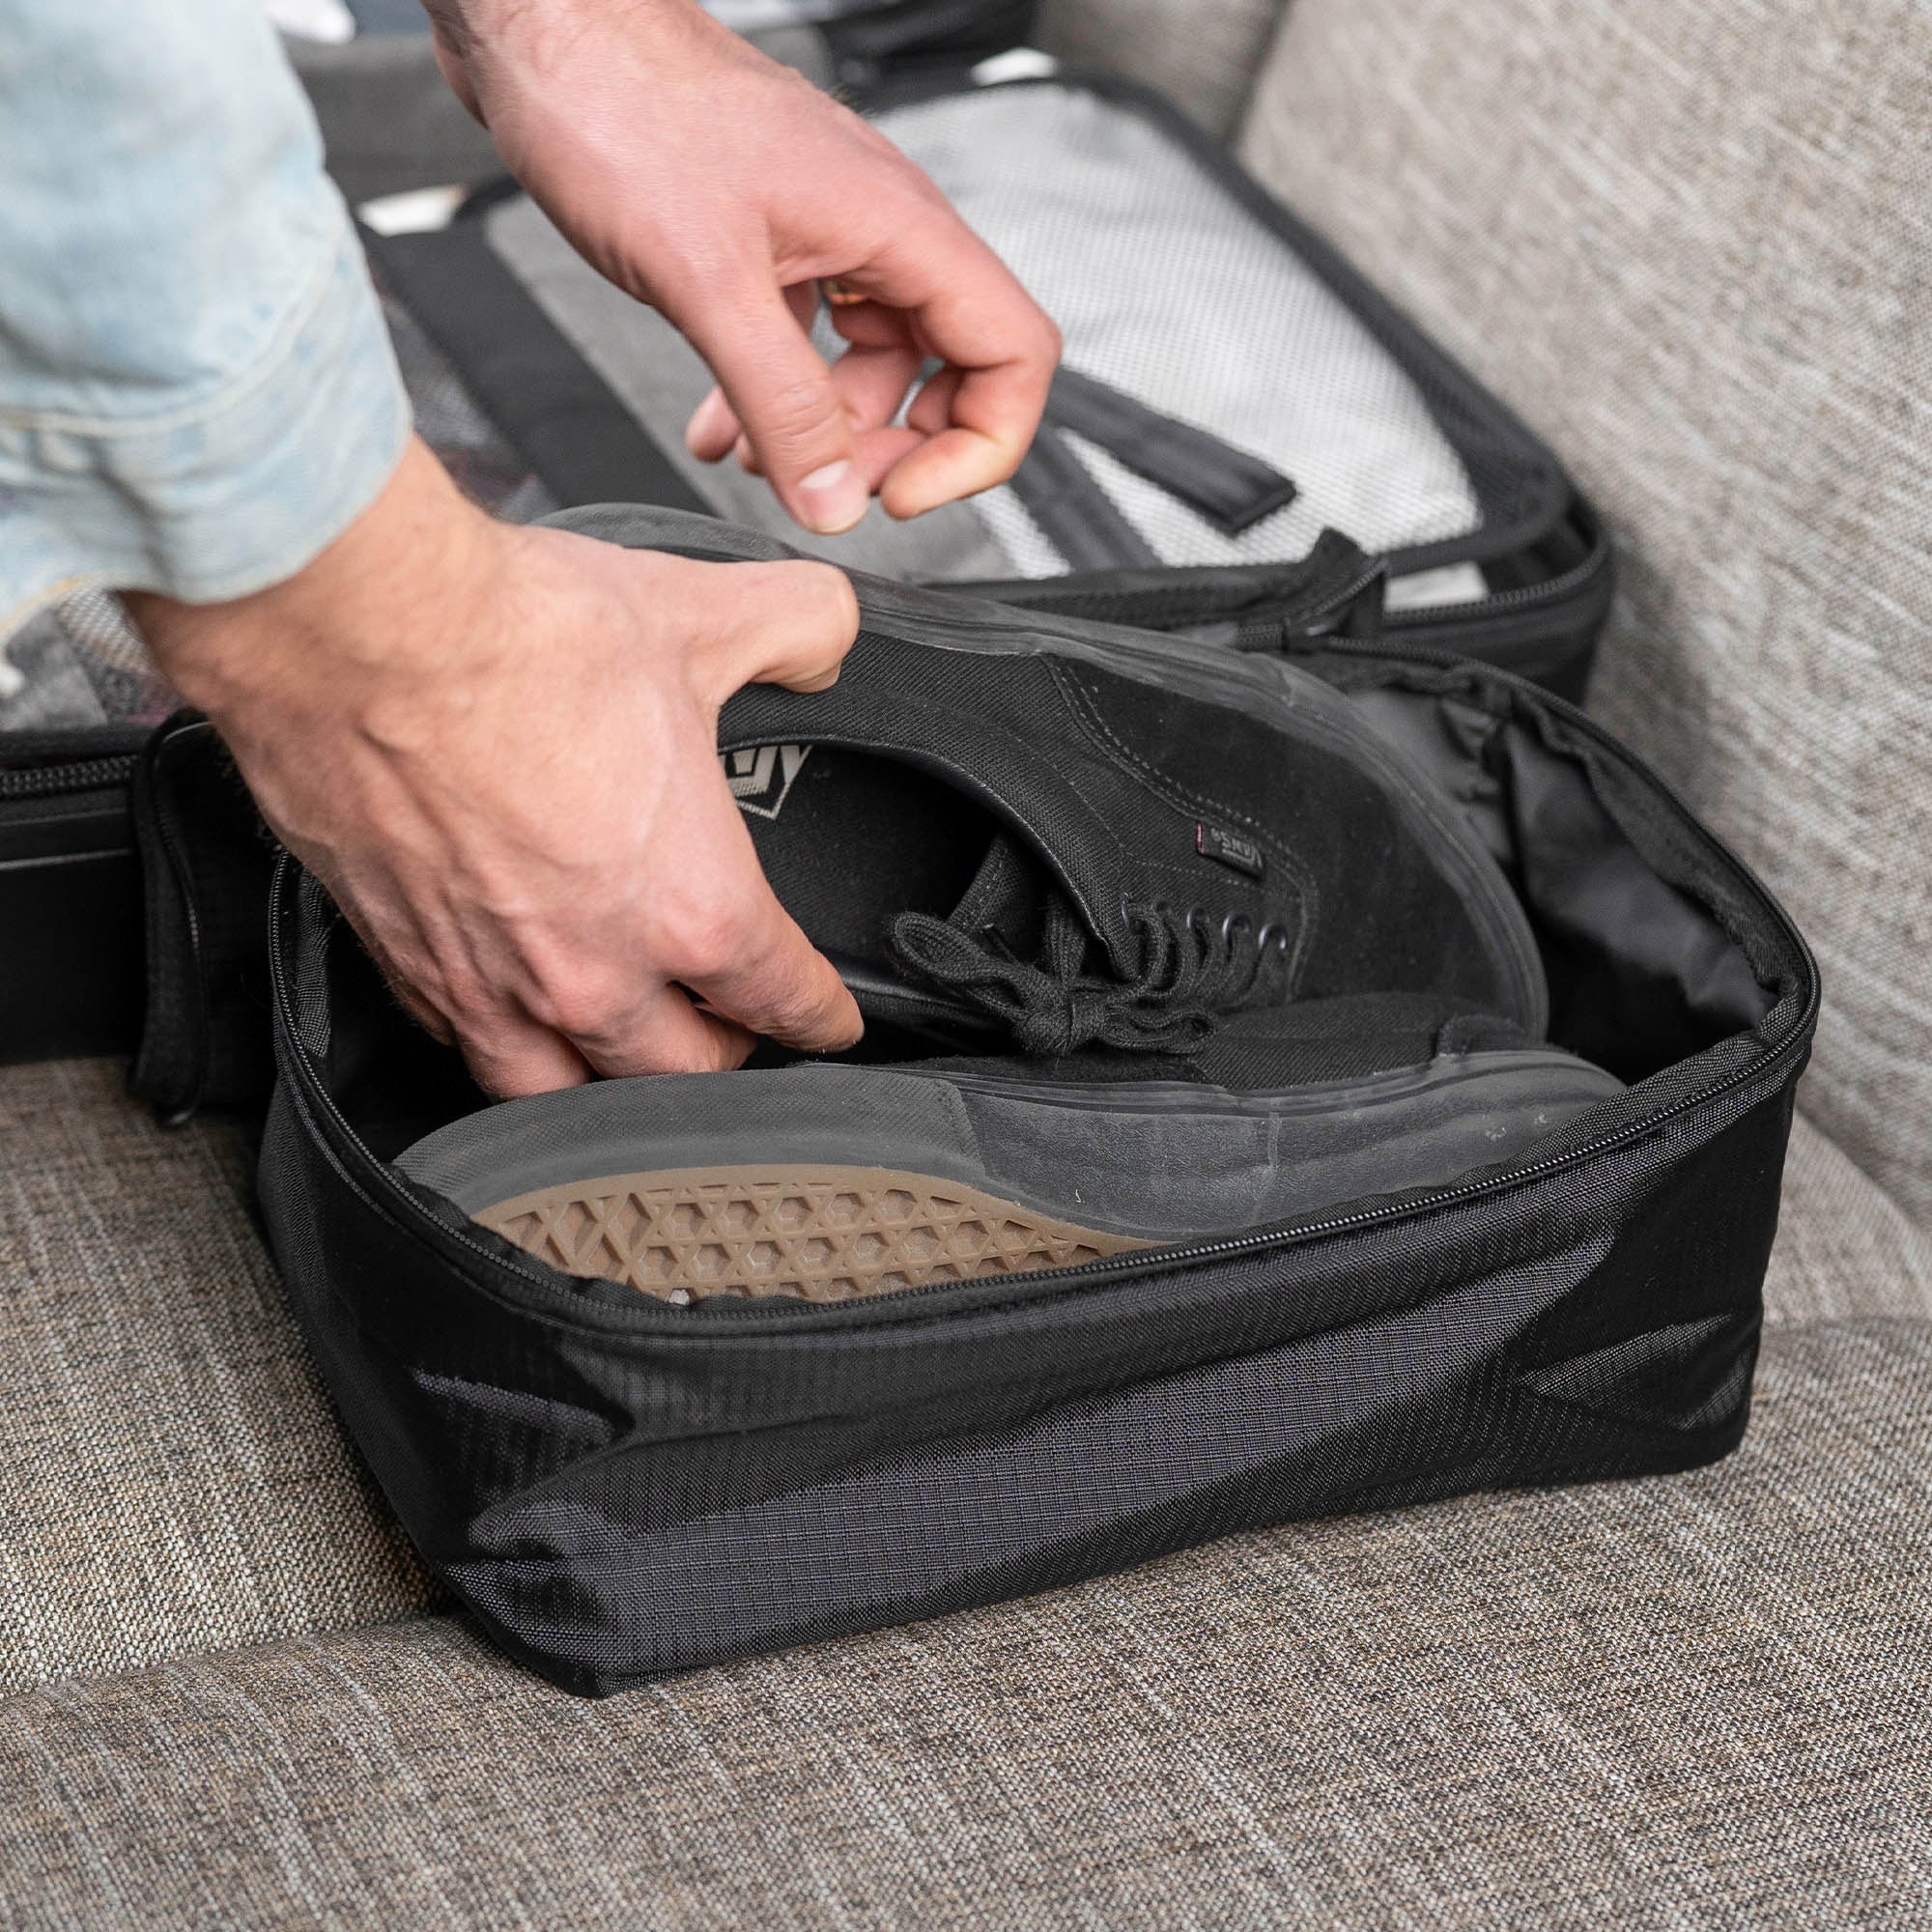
(497, 749)
(720, 187)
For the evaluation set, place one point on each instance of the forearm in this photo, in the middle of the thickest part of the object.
(196, 393)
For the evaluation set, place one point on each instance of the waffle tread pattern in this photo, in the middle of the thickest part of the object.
(825, 1234)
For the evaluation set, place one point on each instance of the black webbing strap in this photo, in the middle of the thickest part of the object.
(1230, 488)
(1074, 514)
(556, 410)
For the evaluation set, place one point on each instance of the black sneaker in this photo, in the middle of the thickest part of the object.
(833, 1181)
(1201, 952)
(1072, 835)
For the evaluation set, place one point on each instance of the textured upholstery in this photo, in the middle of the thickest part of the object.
(1694, 245)
(174, 1480)
(1696, 1701)
(1203, 53)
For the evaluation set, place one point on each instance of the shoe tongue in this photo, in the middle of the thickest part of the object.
(1010, 896)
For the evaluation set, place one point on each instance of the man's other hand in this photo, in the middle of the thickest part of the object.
(497, 749)
(723, 189)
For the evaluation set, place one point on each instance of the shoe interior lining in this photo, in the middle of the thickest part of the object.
(849, 841)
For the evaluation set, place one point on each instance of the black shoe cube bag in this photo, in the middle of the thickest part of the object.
(1232, 388)
(619, 1488)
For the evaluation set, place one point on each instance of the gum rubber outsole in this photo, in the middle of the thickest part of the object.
(823, 1233)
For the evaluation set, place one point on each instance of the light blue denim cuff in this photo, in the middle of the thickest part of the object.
(227, 494)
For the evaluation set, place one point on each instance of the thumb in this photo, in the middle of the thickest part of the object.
(780, 389)
(770, 623)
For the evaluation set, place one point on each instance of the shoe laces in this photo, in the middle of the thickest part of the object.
(1189, 973)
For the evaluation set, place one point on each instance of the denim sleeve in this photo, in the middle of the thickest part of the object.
(196, 391)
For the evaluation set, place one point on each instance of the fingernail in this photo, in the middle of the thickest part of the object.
(834, 497)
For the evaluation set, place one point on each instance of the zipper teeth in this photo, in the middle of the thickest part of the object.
(1178, 606)
(83, 775)
(1095, 1272)
(1552, 589)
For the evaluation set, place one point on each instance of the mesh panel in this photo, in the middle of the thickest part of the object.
(79, 663)
(1164, 288)
(447, 418)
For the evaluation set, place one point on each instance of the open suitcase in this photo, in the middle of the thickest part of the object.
(1319, 467)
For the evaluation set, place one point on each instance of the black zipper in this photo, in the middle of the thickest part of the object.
(81, 775)
(1173, 607)
(1525, 596)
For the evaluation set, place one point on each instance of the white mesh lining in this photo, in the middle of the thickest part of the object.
(1164, 288)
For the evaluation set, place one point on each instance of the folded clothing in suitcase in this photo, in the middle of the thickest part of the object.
(618, 1484)
(1232, 388)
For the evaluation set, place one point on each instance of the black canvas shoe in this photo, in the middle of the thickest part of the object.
(1077, 835)
(831, 1182)
(1155, 943)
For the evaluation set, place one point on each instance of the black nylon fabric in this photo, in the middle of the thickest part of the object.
(206, 858)
(619, 1488)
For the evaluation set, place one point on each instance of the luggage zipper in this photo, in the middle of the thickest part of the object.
(82, 775)
(1173, 607)
(1525, 596)
(1097, 1272)
(1101, 1271)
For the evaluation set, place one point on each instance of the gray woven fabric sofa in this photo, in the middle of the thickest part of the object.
(1694, 246)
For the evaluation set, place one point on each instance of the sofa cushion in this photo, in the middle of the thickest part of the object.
(174, 1477)
(1845, 1247)
(1696, 1700)
(1694, 245)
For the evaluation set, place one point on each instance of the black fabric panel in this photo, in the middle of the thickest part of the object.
(618, 1495)
(206, 1038)
(70, 943)
(549, 402)
(1230, 488)
(1641, 975)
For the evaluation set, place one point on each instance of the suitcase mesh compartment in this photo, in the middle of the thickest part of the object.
(1178, 283)
(1164, 287)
